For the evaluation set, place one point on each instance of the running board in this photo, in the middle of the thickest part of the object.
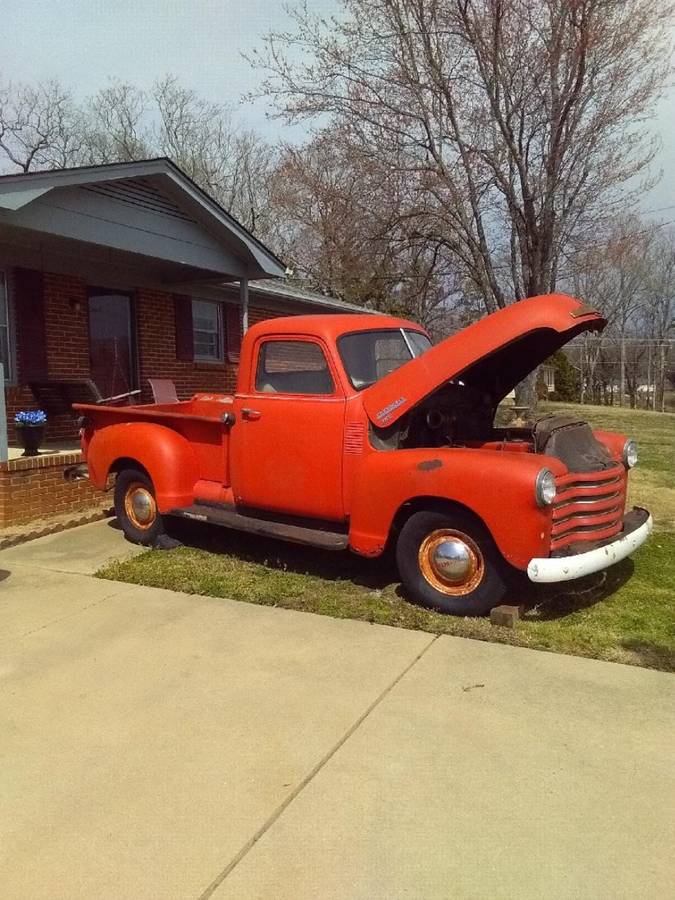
(296, 534)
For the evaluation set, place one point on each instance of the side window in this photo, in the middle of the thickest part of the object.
(5, 357)
(293, 367)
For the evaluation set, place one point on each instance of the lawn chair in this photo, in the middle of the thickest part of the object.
(56, 396)
(163, 390)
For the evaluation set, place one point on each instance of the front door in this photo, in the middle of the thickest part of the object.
(288, 450)
(111, 344)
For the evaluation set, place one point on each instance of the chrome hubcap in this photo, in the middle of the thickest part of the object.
(142, 505)
(451, 560)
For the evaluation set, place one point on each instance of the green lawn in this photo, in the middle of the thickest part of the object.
(625, 614)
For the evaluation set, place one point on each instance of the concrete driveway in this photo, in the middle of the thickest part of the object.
(159, 745)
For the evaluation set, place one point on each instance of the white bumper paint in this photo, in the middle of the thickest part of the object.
(566, 568)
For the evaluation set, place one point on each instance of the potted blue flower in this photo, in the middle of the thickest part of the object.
(30, 430)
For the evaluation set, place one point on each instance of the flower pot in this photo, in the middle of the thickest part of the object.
(30, 437)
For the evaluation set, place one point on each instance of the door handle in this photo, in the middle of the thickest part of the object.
(250, 414)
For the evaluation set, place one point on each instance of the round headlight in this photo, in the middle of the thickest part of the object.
(630, 454)
(544, 488)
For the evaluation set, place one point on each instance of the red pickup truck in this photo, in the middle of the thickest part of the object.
(353, 431)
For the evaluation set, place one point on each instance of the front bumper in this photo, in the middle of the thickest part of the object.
(637, 528)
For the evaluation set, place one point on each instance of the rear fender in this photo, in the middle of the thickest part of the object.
(166, 456)
(496, 486)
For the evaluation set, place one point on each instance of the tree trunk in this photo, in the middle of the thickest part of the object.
(526, 392)
(660, 386)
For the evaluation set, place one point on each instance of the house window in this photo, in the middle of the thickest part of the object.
(207, 330)
(4, 328)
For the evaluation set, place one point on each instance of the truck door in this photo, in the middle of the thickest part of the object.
(287, 450)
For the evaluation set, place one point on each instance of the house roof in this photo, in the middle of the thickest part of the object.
(283, 290)
(161, 209)
(152, 189)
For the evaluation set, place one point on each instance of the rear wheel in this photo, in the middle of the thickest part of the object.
(449, 562)
(136, 507)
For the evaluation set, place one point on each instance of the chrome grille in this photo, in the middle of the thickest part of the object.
(588, 506)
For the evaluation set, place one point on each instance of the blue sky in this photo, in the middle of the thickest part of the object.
(85, 43)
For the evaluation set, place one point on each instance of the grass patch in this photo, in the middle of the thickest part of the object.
(624, 614)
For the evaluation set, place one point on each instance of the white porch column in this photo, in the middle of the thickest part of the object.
(243, 299)
(3, 418)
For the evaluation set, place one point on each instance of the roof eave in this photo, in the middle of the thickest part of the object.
(21, 189)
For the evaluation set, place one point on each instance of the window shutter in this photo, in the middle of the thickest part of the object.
(232, 332)
(30, 325)
(184, 339)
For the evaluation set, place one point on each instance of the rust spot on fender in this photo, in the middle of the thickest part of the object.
(370, 552)
(584, 310)
(428, 464)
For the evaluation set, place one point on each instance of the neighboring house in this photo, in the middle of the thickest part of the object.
(548, 374)
(117, 274)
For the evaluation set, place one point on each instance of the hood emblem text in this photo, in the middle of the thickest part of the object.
(385, 414)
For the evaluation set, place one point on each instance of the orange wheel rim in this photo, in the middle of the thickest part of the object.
(140, 506)
(451, 562)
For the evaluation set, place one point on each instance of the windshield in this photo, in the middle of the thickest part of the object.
(370, 355)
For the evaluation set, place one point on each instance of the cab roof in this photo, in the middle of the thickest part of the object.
(331, 327)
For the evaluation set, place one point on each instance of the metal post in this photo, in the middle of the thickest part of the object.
(3, 417)
(243, 299)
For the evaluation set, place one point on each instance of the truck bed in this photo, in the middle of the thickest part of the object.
(200, 408)
(200, 421)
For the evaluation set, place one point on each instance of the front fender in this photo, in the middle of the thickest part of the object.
(613, 441)
(166, 455)
(495, 485)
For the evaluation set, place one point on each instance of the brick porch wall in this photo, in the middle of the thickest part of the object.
(33, 488)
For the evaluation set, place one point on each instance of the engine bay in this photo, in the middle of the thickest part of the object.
(454, 416)
(458, 415)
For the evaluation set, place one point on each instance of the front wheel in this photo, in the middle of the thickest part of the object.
(136, 507)
(449, 562)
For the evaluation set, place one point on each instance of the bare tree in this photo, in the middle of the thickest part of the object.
(344, 230)
(40, 127)
(251, 166)
(659, 313)
(631, 279)
(517, 122)
(115, 125)
(230, 163)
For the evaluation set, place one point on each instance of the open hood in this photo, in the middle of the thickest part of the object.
(493, 355)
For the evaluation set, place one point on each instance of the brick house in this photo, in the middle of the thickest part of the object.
(117, 274)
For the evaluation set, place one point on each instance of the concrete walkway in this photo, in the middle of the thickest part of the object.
(159, 745)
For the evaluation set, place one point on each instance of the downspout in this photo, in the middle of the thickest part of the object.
(243, 300)
(3, 419)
